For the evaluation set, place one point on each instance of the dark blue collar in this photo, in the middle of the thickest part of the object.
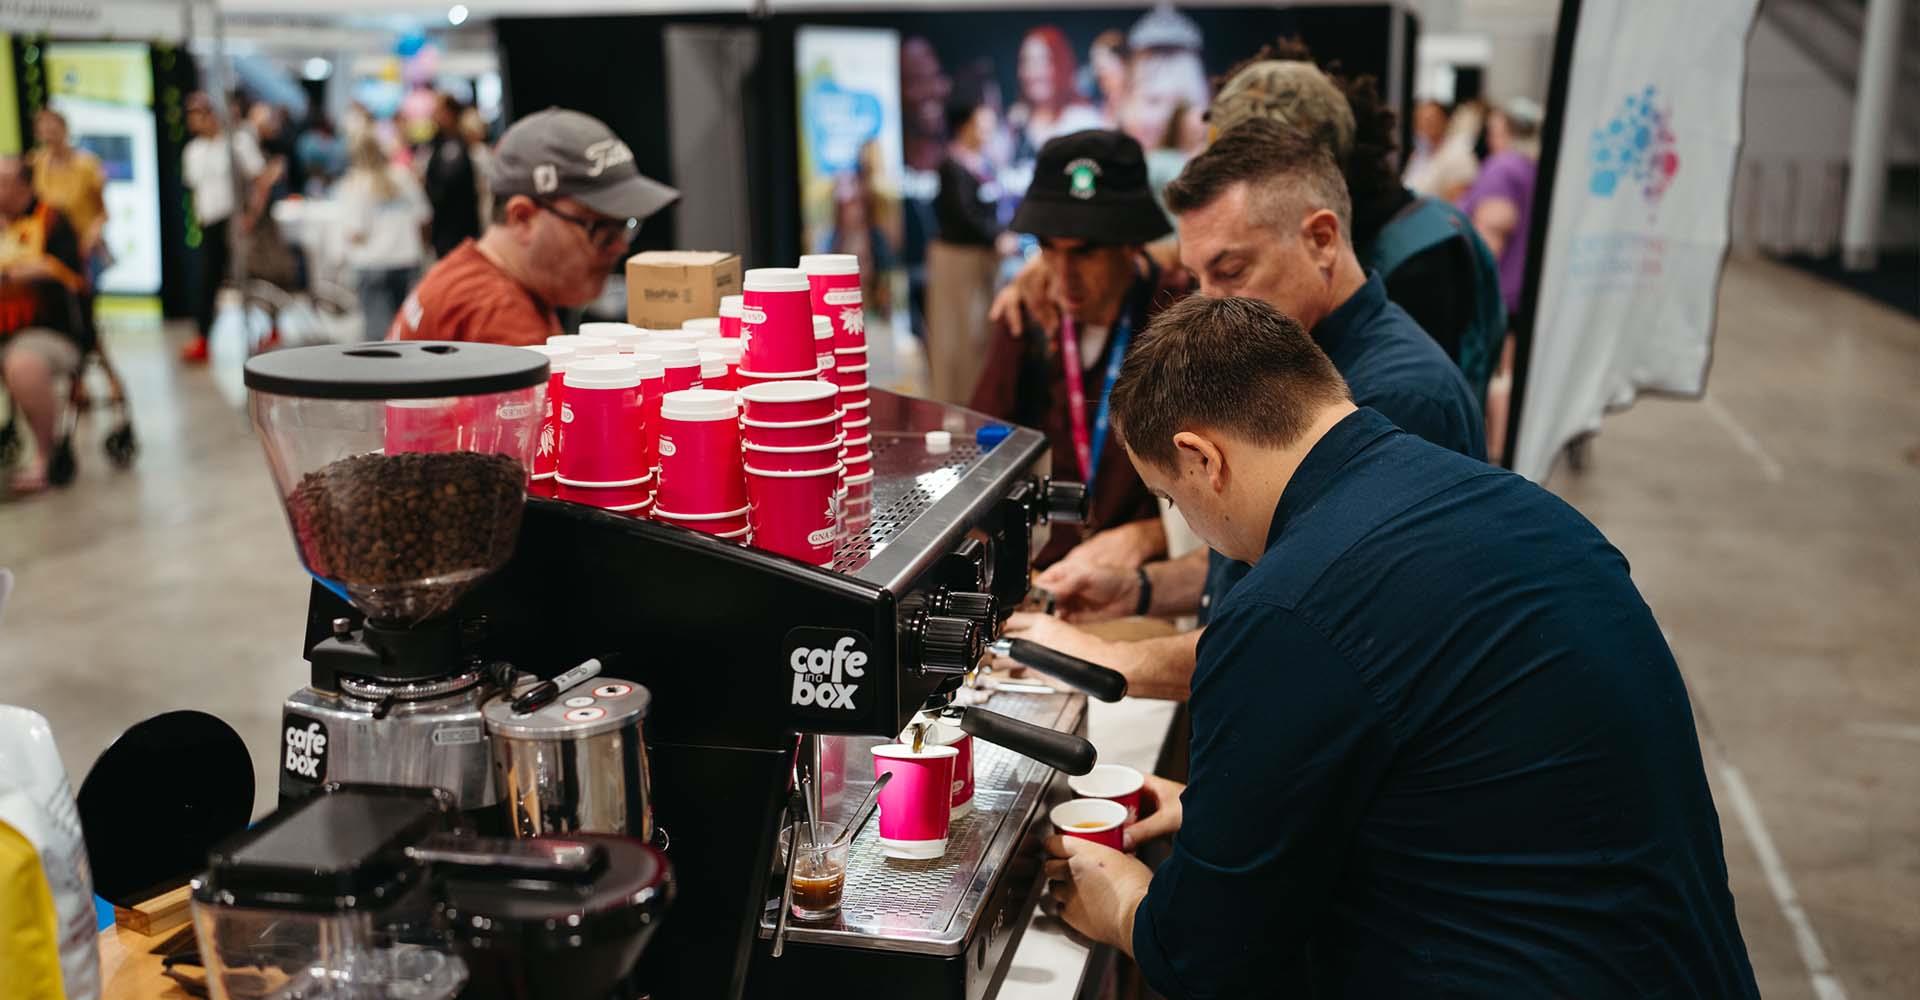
(1323, 463)
(1359, 310)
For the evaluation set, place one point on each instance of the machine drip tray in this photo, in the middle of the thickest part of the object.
(931, 907)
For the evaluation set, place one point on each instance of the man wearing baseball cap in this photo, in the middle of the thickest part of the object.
(1091, 208)
(568, 200)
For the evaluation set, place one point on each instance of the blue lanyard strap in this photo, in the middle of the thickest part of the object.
(1116, 355)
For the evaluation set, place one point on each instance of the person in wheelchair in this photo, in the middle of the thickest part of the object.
(41, 278)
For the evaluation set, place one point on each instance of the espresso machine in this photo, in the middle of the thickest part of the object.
(402, 468)
(759, 670)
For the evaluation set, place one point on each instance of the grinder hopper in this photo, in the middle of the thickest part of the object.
(402, 465)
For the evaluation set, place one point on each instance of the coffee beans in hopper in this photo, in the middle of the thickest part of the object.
(408, 533)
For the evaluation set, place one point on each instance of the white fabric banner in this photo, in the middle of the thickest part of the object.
(1637, 231)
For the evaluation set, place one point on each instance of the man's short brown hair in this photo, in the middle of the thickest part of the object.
(1290, 173)
(1234, 365)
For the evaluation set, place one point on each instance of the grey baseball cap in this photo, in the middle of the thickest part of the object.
(559, 153)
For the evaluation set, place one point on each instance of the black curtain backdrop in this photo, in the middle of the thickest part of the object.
(613, 68)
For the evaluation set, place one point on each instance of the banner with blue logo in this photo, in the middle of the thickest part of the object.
(1638, 226)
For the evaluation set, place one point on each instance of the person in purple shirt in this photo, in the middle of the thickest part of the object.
(1500, 202)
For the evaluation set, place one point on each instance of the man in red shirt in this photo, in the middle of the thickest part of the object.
(567, 203)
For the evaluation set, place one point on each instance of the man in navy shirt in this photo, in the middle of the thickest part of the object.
(1265, 213)
(1440, 747)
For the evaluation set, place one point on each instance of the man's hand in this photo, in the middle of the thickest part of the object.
(1053, 633)
(1160, 809)
(1086, 592)
(1032, 290)
(1096, 889)
(1128, 546)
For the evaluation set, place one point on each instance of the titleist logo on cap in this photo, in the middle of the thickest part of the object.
(606, 153)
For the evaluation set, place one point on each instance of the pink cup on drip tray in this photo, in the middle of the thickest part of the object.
(795, 513)
(916, 807)
(776, 323)
(833, 281)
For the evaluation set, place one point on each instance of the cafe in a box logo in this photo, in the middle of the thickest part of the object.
(827, 666)
(305, 742)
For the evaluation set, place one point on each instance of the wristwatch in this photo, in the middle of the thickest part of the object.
(1145, 600)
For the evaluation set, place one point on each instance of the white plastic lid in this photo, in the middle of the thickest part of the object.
(939, 442)
(708, 326)
(822, 328)
(729, 348)
(603, 373)
(796, 391)
(558, 355)
(775, 279)
(699, 404)
(730, 305)
(675, 354)
(647, 362)
(586, 347)
(830, 263)
(712, 365)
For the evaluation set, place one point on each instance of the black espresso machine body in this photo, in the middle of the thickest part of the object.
(743, 650)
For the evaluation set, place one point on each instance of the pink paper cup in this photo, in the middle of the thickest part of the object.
(859, 465)
(700, 467)
(641, 510)
(834, 283)
(1098, 820)
(916, 807)
(816, 457)
(610, 496)
(793, 513)
(601, 432)
(856, 426)
(744, 536)
(426, 425)
(851, 355)
(749, 377)
(1114, 782)
(776, 320)
(783, 402)
(796, 434)
(713, 524)
(850, 375)
(730, 316)
(944, 735)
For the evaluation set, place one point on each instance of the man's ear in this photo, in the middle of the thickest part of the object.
(521, 210)
(1320, 231)
(1202, 457)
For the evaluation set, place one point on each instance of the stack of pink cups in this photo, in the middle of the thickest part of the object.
(833, 291)
(730, 316)
(606, 453)
(823, 346)
(702, 484)
(792, 445)
(546, 448)
(776, 327)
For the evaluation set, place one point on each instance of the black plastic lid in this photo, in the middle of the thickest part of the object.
(502, 910)
(343, 849)
(395, 369)
(159, 798)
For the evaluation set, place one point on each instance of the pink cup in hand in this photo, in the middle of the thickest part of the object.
(602, 418)
(916, 807)
(794, 513)
(776, 323)
(700, 468)
(834, 283)
(1115, 782)
(788, 402)
(1099, 820)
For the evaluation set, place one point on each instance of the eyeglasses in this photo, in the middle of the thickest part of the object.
(607, 234)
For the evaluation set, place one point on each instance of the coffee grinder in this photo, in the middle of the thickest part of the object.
(403, 469)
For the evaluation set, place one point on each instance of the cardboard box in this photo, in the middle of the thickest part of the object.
(668, 287)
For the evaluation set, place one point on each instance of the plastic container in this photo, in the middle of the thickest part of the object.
(360, 513)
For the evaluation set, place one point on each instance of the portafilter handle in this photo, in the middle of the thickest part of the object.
(1058, 750)
(1103, 683)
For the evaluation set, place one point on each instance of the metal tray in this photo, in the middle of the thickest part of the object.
(929, 907)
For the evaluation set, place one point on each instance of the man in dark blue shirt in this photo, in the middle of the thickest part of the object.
(1440, 747)
(1264, 213)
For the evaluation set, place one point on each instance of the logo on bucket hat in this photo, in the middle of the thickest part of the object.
(1081, 175)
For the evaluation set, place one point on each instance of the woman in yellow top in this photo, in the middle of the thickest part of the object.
(74, 182)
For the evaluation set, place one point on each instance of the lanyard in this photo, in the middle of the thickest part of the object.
(1087, 448)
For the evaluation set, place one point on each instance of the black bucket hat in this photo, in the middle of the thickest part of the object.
(1091, 186)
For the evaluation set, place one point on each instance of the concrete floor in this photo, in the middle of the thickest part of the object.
(1774, 527)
